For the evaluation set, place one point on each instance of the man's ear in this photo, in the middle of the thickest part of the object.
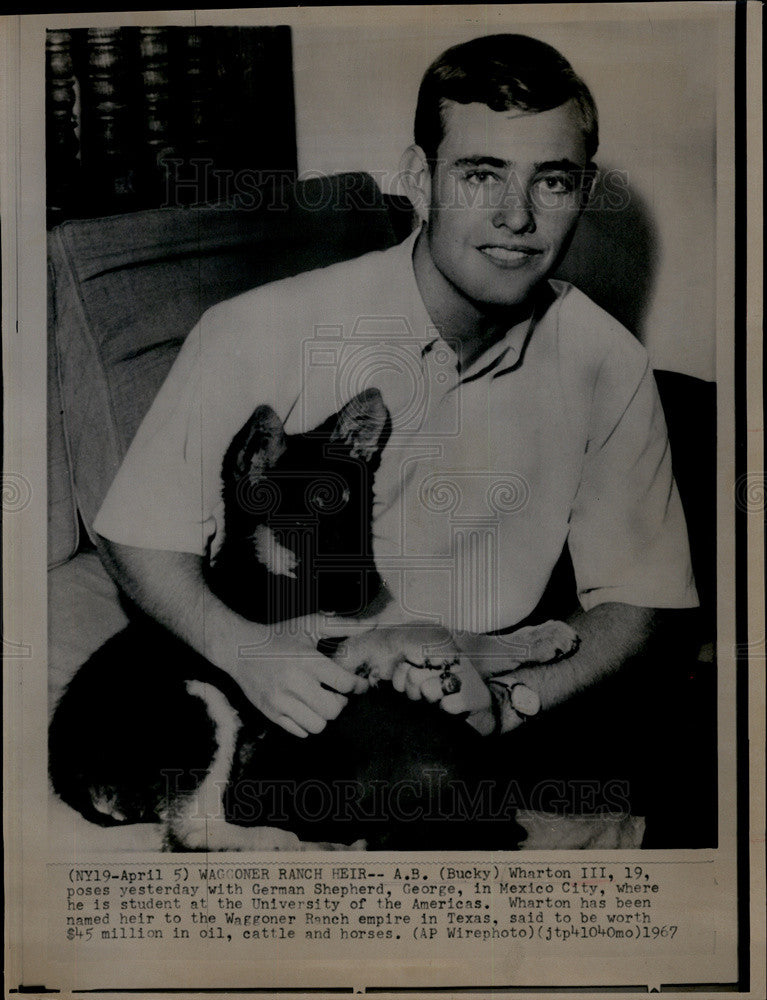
(415, 179)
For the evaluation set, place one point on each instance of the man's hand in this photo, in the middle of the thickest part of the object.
(472, 697)
(610, 636)
(285, 677)
(412, 656)
(293, 685)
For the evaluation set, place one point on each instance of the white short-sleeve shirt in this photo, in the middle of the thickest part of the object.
(555, 436)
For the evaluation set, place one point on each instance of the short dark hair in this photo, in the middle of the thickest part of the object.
(503, 72)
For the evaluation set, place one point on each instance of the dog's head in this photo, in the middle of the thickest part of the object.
(300, 507)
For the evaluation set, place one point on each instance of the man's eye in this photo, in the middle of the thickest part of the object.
(481, 176)
(558, 184)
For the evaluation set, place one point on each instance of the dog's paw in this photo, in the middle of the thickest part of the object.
(545, 643)
(375, 653)
(365, 655)
(106, 801)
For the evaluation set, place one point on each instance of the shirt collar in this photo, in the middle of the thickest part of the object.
(503, 353)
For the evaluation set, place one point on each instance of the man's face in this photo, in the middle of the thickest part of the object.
(506, 194)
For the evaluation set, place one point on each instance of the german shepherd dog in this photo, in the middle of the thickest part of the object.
(149, 731)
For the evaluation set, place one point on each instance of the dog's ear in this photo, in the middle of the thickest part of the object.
(256, 446)
(363, 425)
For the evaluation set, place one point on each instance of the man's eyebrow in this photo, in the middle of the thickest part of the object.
(493, 161)
(481, 161)
(564, 164)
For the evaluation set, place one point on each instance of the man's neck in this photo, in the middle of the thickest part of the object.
(469, 328)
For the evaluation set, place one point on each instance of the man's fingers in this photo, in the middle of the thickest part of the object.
(400, 676)
(418, 680)
(322, 700)
(303, 720)
(304, 717)
(484, 722)
(334, 676)
(455, 704)
(283, 721)
(329, 704)
(431, 689)
(289, 726)
(412, 685)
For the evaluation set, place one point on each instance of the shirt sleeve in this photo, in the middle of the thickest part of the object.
(628, 537)
(166, 494)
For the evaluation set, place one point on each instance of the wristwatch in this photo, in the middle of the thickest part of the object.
(514, 697)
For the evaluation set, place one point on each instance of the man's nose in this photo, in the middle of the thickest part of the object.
(515, 212)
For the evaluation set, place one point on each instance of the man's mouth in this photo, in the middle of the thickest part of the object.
(509, 256)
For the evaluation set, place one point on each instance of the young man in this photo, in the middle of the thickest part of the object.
(494, 376)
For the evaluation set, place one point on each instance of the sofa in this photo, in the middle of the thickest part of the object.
(124, 291)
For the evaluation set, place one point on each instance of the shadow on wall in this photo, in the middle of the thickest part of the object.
(614, 254)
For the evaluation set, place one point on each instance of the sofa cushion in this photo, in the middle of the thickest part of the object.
(129, 288)
(84, 610)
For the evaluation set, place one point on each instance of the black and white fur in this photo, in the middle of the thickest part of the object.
(148, 731)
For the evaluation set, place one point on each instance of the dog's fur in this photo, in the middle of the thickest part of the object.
(149, 731)
(298, 515)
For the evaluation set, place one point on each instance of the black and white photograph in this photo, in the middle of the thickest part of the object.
(388, 484)
(421, 424)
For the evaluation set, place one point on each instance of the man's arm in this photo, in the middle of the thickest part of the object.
(288, 681)
(612, 635)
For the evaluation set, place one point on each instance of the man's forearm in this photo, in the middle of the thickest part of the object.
(610, 635)
(285, 677)
(170, 588)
